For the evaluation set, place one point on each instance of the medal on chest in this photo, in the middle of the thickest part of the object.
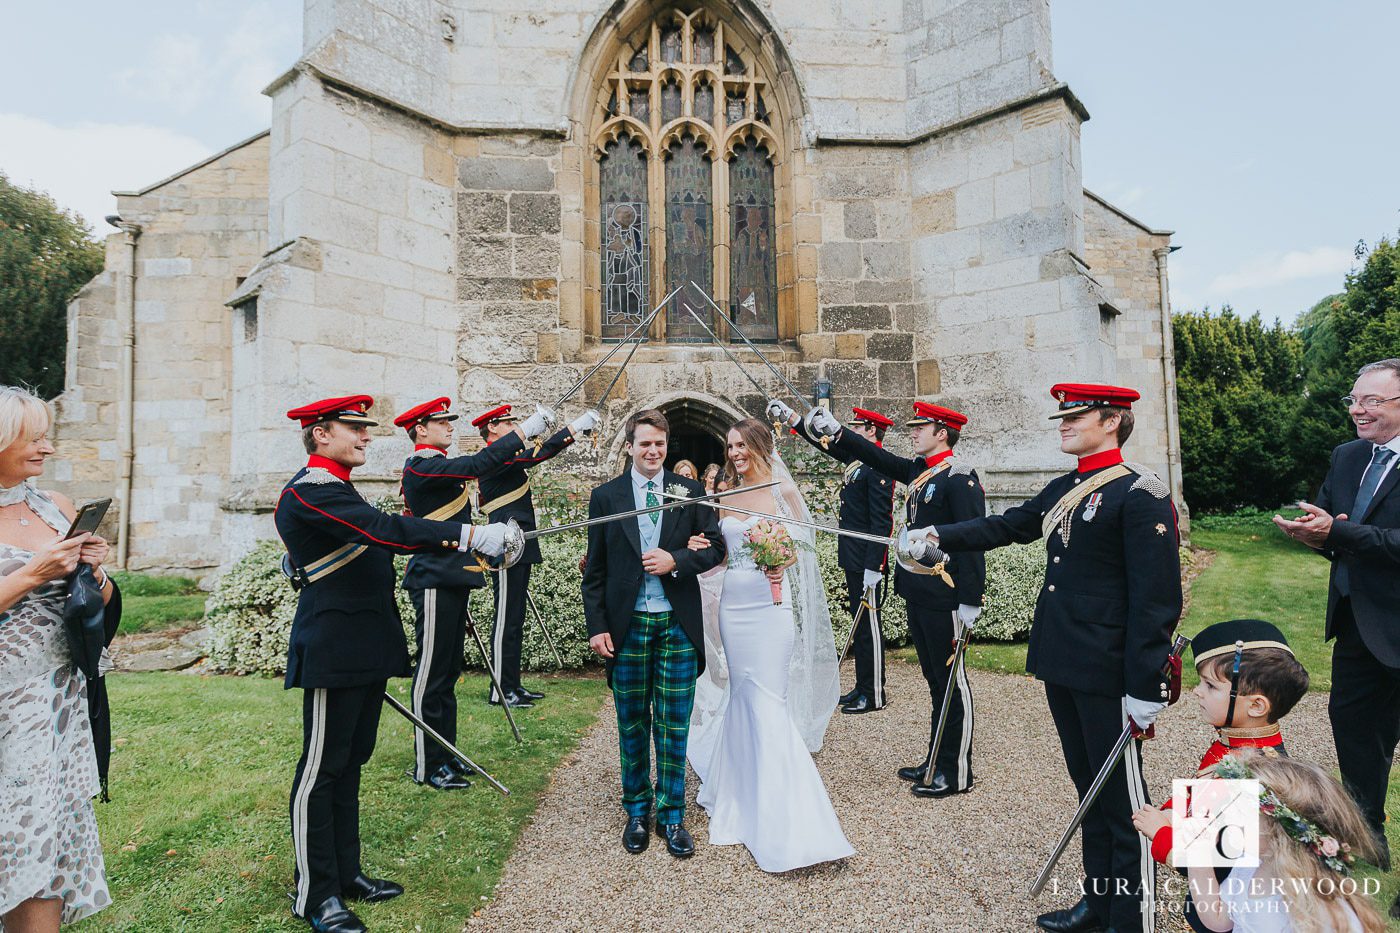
(852, 473)
(1091, 506)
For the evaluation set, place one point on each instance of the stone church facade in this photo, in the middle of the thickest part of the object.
(477, 198)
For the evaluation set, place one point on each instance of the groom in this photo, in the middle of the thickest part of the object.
(641, 601)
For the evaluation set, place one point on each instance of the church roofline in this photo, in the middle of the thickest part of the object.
(1128, 217)
(198, 165)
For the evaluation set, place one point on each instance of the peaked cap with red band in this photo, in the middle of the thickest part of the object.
(352, 409)
(1077, 397)
(436, 410)
(928, 413)
(499, 413)
(873, 418)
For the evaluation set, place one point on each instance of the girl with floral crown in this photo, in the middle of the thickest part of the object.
(1310, 833)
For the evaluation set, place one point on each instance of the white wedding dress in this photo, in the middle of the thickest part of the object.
(759, 783)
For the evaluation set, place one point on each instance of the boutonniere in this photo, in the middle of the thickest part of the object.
(678, 491)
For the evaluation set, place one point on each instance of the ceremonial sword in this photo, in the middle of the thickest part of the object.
(1171, 669)
(749, 343)
(866, 605)
(956, 663)
(436, 737)
(530, 600)
(491, 672)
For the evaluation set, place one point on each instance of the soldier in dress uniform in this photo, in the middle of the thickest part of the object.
(1101, 633)
(939, 487)
(505, 494)
(439, 487)
(346, 642)
(867, 505)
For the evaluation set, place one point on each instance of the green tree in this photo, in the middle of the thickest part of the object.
(1340, 335)
(46, 255)
(1239, 392)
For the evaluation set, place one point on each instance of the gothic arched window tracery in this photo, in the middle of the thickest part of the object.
(687, 157)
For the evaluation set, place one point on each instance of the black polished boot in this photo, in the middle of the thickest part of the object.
(371, 890)
(636, 838)
(678, 841)
(915, 773)
(940, 786)
(530, 695)
(861, 704)
(516, 699)
(332, 916)
(447, 778)
(1077, 919)
(461, 767)
(848, 697)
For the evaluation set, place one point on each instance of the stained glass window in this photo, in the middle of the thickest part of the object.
(670, 100)
(753, 268)
(705, 103)
(671, 44)
(733, 64)
(639, 102)
(704, 45)
(625, 246)
(734, 107)
(689, 237)
(639, 61)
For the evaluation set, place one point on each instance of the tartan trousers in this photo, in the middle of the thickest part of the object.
(653, 682)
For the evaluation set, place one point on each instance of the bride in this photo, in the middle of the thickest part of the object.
(753, 733)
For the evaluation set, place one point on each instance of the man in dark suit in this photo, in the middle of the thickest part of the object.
(1355, 523)
(641, 600)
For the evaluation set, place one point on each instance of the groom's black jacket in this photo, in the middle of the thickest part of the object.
(612, 577)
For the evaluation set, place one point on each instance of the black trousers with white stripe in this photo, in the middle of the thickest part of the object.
(441, 627)
(338, 731)
(932, 632)
(1119, 874)
(505, 640)
(867, 642)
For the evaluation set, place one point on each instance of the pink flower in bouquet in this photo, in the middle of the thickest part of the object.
(1329, 846)
(770, 546)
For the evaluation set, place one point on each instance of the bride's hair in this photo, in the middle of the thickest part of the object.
(758, 438)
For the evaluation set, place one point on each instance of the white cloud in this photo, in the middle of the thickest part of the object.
(80, 164)
(175, 69)
(1278, 268)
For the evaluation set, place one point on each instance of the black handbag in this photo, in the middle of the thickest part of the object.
(91, 626)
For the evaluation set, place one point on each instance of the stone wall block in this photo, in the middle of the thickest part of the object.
(488, 256)
(885, 260)
(534, 213)
(890, 347)
(855, 317)
(839, 260)
(500, 174)
(481, 212)
(896, 379)
(536, 256)
(857, 378)
(860, 223)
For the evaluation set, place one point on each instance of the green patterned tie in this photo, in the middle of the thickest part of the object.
(652, 501)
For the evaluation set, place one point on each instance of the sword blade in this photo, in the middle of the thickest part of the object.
(1092, 794)
(749, 343)
(539, 620)
(959, 648)
(436, 737)
(603, 400)
(843, 532)
(714, 338)
(677, 502)
(646, 322)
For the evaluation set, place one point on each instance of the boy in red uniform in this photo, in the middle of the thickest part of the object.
(1249, 681)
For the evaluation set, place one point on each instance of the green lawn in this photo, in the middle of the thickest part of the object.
(151, 603)
(196, 835)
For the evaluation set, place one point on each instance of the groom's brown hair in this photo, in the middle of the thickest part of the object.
(651, 416)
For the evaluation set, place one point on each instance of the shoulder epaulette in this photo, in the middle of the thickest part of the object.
(1148, 480)
(318, 476)
(427, 453)
(959, 467)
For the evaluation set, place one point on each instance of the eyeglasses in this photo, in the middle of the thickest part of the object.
(1370, 404)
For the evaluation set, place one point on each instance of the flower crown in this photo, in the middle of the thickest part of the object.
(1329, 851)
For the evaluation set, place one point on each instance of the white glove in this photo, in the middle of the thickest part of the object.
(824, 422)
(584, 423)
(779, 410)
(915, 547)
(538, 423)
(967, 616)
(1143, 712)
(489, 540)
(927, 533)
(872, 578)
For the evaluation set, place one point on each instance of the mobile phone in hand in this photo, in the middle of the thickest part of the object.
(88, 518)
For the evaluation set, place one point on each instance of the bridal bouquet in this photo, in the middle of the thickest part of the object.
(770, 546)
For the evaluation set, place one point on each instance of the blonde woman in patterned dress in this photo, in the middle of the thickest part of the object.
(50, 859)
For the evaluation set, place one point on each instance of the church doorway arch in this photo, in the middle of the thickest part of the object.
(697, 433)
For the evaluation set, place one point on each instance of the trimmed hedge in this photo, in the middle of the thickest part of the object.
(252, 606)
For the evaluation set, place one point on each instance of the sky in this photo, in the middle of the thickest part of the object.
(1263, 133)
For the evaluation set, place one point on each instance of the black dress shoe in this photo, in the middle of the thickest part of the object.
(332, 916)
(461, 767)
(847, 697)
(371, 890)
(530, 695)
(940, 786)
(915, 773)
(1077, 919)
(861, 704)
(678, 841)
(515, 700)
(447, 778)
(636, 838)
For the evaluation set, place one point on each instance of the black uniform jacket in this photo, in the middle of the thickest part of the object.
(346, 631)
(1364, 550)
(1112, 592)
(867, 504)
(509, 479)
(433, 481)
(953, 494)
(612, 575)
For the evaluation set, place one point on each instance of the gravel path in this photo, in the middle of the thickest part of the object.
(954, 864)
